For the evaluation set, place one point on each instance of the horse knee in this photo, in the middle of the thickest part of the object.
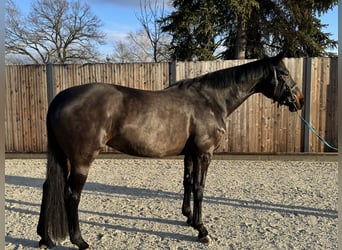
(206, 159)
(187, 181)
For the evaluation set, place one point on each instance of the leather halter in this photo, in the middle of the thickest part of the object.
(280, 88)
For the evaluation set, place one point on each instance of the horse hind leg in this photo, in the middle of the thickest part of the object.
(187, 183)
(77, 178)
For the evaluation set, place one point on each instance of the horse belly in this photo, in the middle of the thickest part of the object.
(149, 141)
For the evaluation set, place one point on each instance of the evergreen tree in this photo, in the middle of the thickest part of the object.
(247, 28)
(193, 29)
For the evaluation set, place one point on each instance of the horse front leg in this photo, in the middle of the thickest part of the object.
(187, 183)
(201, 165)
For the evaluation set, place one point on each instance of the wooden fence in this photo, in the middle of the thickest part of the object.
(258, 125)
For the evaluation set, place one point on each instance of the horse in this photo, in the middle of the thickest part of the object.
(187, 118)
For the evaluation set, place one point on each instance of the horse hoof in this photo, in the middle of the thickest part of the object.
(84, 246)
(206, 239)
(45, 244)
(88, 248)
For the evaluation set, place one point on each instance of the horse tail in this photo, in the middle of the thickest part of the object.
(53, 221)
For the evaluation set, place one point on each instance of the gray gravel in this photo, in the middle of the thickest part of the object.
(136, 204)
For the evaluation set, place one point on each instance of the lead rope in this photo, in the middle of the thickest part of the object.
(301, 117)
(315, 132)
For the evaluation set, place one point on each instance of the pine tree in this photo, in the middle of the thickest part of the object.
(193, 29)
(247, 28)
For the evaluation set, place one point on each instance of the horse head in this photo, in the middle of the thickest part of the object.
(283, 90)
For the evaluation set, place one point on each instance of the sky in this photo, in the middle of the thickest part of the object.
(119, 17)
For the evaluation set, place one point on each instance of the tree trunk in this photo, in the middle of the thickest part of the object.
(241, 40)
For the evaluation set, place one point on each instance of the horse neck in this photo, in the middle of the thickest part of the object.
(229, 88)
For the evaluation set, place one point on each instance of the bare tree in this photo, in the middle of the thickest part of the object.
(151, 12)
(58, 31)
(148, 44)
(122, 53)
(134, 48)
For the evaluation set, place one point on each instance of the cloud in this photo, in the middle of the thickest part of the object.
(112, 37)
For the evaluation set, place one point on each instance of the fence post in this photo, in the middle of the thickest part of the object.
(173, 72)
(307, 91)
(50, 83)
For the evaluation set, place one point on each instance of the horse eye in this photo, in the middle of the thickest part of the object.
(285, 72)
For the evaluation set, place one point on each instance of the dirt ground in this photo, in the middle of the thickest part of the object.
(136, 204)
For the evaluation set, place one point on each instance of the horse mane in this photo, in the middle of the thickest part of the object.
(229, 76)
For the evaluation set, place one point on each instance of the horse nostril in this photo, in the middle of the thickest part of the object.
(300, 98)
(300, 102)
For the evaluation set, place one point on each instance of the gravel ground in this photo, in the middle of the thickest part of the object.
(136, 204)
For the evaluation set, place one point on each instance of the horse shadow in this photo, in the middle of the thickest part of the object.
(138, 192)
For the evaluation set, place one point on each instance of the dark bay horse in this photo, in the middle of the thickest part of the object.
(187, 119)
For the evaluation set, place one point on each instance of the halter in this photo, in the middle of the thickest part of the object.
(280, 88)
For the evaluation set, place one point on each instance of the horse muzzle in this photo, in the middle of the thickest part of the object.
(296, 102)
